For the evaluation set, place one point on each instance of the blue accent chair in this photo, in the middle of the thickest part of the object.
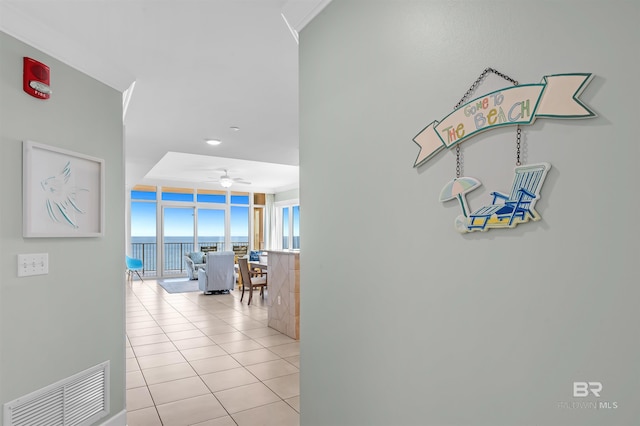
(134, 265)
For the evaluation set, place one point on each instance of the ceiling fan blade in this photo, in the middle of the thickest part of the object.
(234, 179)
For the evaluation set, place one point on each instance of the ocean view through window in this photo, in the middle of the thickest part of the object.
(290, 226)
(175, 245)
(167, 223)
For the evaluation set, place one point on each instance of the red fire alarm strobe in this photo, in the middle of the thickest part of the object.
(36, 79)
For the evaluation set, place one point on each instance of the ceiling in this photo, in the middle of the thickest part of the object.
(203, 69)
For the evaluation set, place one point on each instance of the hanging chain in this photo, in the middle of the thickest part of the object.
(518, 137)
(476, 83)
(469, 92)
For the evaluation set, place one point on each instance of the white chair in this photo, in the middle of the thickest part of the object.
(217, 274)
(194, 261)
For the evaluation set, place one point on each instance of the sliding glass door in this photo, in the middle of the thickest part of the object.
(168, 222)
(211, 225)
(143, 234)
(178, 235)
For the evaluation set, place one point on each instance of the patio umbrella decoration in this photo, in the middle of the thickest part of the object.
(456, 189)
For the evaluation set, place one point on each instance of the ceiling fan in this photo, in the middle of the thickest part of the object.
(226, 181)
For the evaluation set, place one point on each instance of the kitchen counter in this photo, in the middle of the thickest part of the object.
(283, 299)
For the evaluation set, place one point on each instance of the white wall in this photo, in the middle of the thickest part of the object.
(403, 320)
(53, 326)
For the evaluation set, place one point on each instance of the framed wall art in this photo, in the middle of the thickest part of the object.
(63, 193)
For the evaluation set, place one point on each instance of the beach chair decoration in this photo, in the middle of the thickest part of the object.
(505, 210)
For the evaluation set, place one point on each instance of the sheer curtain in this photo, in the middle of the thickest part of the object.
(270, 219)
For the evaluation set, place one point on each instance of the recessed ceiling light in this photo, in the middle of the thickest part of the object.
(234, 128)
(213, 142)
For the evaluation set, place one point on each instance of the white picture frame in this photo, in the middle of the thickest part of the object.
(63, 192)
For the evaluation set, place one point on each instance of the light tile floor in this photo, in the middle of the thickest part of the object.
(207, 360)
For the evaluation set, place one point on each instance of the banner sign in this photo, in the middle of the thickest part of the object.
(555, 97)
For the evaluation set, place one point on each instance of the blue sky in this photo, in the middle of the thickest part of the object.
(178, 221)
(143, 219)
(296, 220)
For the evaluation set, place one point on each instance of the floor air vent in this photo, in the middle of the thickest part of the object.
(79, 400)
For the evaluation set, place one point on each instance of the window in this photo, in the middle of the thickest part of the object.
(208, 196)
(167, 222)
(144, 193)
(143, 226)
(289, 229)
(177, 194)
(240, 199)
(295, 227)
(177, 237)
(239, 216)
(211, 228)
(285, 228)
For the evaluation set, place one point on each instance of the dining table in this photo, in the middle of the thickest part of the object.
(261, 266)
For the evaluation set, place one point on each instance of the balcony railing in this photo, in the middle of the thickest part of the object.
(173, 255)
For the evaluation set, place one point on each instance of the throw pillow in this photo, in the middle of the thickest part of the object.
(254, 256)
(197, 256)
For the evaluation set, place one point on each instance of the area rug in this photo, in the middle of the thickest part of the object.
(179, 285)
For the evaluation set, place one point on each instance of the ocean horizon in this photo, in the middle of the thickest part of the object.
(175, 248)
(186, 239)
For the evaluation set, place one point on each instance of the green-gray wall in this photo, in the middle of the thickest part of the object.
(292, 194)
(403, 320)
(53, 326)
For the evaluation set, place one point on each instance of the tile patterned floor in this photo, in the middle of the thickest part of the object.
(207, 360)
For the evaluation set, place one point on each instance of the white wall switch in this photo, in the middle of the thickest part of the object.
(33, 264)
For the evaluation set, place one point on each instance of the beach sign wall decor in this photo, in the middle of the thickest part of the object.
(555, 97)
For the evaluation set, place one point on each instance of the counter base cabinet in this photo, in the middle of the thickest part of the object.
(283, 299)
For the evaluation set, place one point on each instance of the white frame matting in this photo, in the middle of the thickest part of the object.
(63, 193)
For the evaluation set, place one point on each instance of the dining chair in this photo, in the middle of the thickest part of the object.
(251, 279)
(134, 265)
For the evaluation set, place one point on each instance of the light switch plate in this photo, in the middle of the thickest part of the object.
(33, 264)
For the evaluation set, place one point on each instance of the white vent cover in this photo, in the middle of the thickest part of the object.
(79, 400)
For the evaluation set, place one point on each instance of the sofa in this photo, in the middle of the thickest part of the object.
(218, 274)
(194, 260)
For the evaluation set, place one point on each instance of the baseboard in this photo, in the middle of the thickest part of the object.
(119, 419)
